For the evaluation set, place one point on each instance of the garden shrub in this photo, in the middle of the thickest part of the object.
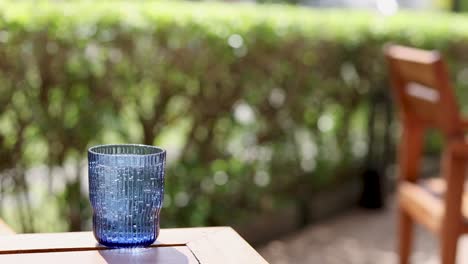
(258, 106)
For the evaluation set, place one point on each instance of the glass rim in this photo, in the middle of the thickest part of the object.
(158, 150)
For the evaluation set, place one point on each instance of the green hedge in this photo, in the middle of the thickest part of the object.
(258, 106)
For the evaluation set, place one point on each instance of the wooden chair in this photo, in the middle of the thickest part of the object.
(426, 100)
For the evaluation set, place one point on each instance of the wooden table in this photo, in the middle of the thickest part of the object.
(211, 245)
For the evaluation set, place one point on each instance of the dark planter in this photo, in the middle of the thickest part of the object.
(269, 226)
(334, 200)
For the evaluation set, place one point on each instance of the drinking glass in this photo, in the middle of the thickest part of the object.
(126, 190)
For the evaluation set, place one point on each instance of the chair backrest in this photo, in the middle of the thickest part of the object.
(422, 88)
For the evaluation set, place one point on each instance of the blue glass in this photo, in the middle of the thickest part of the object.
(126, 190)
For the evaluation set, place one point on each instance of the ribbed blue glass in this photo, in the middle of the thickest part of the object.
(126, 190)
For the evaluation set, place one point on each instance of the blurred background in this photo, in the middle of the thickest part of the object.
(276, 115)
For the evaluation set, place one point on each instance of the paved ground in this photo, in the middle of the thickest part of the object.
(357, 237)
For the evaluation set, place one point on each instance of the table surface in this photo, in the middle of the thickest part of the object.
(173, 246)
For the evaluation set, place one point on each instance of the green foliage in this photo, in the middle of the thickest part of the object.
(257, 105)
(280, 1)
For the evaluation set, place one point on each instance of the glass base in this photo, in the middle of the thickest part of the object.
(139, 244)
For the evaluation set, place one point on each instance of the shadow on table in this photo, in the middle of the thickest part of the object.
(166, 255)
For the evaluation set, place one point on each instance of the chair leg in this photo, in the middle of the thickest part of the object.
(449, 239)
(406, 236)
(453, 167)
